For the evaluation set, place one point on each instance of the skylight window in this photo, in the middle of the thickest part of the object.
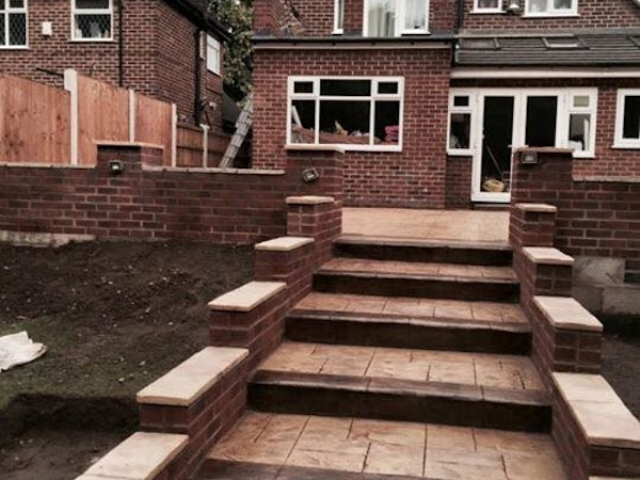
(567, 43)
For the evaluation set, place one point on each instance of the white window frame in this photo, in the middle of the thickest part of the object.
(551, 11)
(471, 109)
(8, 10)
(400, 18)
(565, 110)
(90, 11)
(338, 12)
(478, 9)
(315, 96)
(619, 140)
(214, 46)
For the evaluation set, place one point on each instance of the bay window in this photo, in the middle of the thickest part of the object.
(551, 7)
(13, 23)
(355, 113)
(393, 18)
(92, 20)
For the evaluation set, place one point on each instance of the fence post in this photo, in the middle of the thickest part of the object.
(71, 85)
(132, 115)
(205, 145)
(174, 135)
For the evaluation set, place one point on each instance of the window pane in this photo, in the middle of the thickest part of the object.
(579, 130)
(345, 122)
(345, 88)
(537, 6)
(388, 88)
(415, 17)
(581, 101)
(17, 29)
(387, 122)
(488, 4)
(92, 4)
(340, 13)
(631, 117)
(16, 3)
(562, 4)
(303, 87)
(93, 26)
(382, 18)
(2, 32)
(461, 101)
(541, 121)
(303, 117)
(459, 136)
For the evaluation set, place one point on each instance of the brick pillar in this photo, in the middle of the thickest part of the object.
(545, 181)
(532, 225)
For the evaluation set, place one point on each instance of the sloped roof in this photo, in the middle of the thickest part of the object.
(599, 49)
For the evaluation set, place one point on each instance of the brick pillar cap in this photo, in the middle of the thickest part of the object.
(537, 207)
(247, 297)
(309, 200)
(565, 313)
(284, 244)
(547, 256)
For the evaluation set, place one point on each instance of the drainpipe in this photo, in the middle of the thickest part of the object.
(120, 43)
(460, 16)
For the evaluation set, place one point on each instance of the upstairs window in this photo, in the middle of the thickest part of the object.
(628, 119)
(13, 23)
(92, 20)
(393, 18)
(213, 55)
(550, 8)
(362, 114)
(338, 17)
(487, 6)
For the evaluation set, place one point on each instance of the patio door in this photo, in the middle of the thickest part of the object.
(497, 137)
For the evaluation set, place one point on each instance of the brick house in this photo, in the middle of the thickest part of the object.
(167, 49)
(430, 97)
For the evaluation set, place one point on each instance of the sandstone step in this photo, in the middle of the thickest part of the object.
(478, 390)
(266, 446)
(433, 324)
(436, 251)
(412, 279)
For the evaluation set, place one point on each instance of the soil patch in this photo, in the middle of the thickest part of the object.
(115, 316)
(620, 367)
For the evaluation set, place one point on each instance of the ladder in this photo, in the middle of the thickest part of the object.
(243, 125)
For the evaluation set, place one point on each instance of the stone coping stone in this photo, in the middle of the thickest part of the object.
(547, 256)
(602, 416)
(142, 456)
(186, 383)
(567, 314)
(283, 244)
(309, 200)
(537, 207)
(247, 297)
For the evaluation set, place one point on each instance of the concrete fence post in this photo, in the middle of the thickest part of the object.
(71, 85)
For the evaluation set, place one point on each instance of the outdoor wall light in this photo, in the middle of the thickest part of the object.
(116, 167)
(310, 175)
(529, 158)
(513, 7)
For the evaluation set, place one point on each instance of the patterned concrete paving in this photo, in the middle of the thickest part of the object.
(457, 225)
(482, 370)
(418, 268)
(390, 448)
(489, 312)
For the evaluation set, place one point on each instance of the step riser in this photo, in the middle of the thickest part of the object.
(382, 406)
(417, 288)
(481, 340)
(459, 256)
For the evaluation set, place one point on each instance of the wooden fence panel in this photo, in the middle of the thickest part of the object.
(190, 146)
(154, 124)
(34, 122)
(103, 115)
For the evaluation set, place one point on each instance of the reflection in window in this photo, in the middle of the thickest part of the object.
(542, 114)
(492, 5)
(579, 131)
(390, 18)
(550, 7)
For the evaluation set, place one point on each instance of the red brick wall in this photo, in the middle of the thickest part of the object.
(592, 14)
(158, 53)
(458, 191)
(414, 177)
(608, 161)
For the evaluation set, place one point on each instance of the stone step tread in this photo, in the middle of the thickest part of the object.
(419, 269)
(425, 243)
(509, 372)
(493, 314)
(266, 446)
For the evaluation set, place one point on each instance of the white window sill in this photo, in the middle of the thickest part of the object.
(92, 40)
(217, 74)
(17, 47)
(338, 31)
(495, 11)
(346, 148)
(551, 15)
(584, 156)
(460, 153)
(626, 146)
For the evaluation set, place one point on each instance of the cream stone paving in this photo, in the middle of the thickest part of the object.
(490, 312)
(415, 268)
(484, 370)
(391, 448)
(456, 225)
